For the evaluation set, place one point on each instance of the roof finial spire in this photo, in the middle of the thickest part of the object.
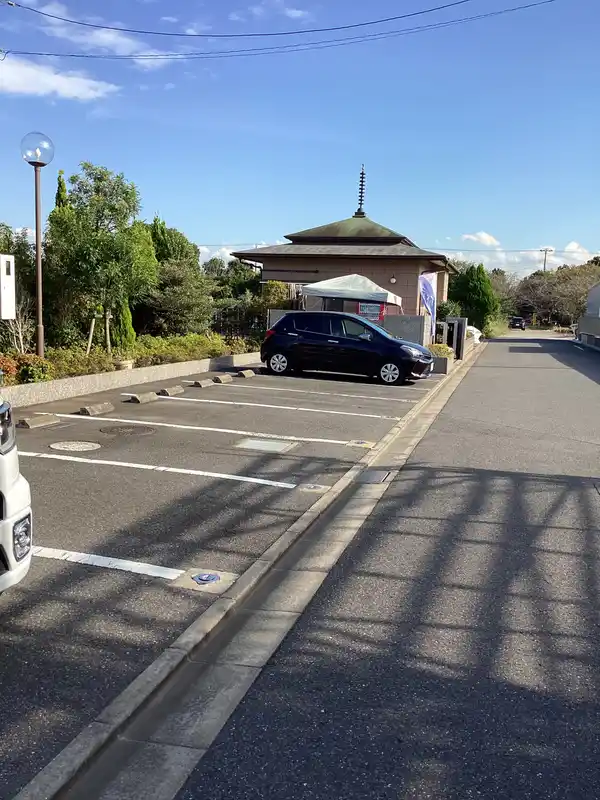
(362, 187)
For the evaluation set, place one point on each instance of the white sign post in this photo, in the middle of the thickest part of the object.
(8, 300)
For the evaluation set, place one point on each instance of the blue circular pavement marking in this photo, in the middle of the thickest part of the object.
(206, 577)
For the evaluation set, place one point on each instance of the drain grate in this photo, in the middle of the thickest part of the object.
(374, 476)
(128, 430)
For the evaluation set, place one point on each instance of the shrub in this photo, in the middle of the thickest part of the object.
(448, 308)
(441, 351)
(151, 350)
(236, 345)
(494, 327)
(68, 362)
(9, 367)
(33, 369)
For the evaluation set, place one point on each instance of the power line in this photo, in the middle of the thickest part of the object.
(282, 49)
(302, 32)
(441, 250)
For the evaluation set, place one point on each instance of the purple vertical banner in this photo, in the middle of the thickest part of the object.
(428, 290)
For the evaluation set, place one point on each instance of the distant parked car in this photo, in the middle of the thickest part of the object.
(517, 322)
(335, 342)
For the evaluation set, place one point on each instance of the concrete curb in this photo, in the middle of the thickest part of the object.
(31, 394)
(96, 409)
(38, 422)
(59, 773)
(171, 391)
(143, 397)
(223, 378)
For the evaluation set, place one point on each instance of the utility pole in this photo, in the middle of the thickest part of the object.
(545, 251)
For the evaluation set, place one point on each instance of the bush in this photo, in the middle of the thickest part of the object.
(448, 308)
(495, 327)
(441, 351)
(9, 367)
(236, 345)
(69, 362)
(33, 369)
(152, 350)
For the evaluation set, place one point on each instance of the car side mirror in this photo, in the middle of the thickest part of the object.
(366, 337)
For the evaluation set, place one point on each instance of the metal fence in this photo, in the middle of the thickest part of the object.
(239, 322)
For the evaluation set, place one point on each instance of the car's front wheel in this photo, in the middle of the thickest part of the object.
(279, 364)
(391, 373)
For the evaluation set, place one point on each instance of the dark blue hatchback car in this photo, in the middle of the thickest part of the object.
(328, 341)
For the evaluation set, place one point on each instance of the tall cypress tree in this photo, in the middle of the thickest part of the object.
(62, 197)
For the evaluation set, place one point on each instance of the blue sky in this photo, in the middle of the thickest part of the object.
(486, 131)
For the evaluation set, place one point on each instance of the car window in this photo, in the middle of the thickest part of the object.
(312, 323)
(354, 329)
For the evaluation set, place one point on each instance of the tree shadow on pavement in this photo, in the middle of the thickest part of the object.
(73, 637)
(452, 654)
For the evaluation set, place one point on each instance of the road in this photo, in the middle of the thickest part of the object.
(190, 484)
(453, 652)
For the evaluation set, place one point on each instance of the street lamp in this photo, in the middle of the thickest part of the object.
(38, 150)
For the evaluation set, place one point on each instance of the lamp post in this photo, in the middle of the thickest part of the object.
(38, 150)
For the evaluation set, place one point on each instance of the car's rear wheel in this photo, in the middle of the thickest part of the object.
(279, 364)
(391, 373)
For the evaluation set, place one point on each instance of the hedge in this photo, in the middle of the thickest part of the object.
(147, 351)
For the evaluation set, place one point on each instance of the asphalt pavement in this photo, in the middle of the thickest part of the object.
(453, 652)
(128, 504)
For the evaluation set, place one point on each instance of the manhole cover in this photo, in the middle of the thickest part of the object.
(128, 430)
(75, 447)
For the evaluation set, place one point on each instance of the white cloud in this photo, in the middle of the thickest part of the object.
(96, 40)
(482, 238)
(235, 16)
(296, 13)
(524, 262)
(265, 7)
(168, 87)
(172, 20)
(24, 77)
(195, 28)
(225, 251)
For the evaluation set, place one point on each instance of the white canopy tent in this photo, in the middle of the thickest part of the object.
(352, 287)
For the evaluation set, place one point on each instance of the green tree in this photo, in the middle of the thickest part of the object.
(181, 302)
(448, 308)
(123, 333)
(472, 290)
(97, 253)
(505, 287)
(62, 197)
(172, 245)
(108, 200)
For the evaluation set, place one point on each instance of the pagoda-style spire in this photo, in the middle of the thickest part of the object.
(362, 187)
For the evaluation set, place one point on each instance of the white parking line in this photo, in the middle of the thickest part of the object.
(308, 391)
(279, 408)
(145, 422)
(108, 563)
(154, 468)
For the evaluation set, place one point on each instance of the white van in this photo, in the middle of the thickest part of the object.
(15, 505)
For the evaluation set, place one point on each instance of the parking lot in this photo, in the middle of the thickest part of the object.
(130, 505)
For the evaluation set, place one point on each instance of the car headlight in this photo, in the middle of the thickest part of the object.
(412, 351)
(7, 429)
(22, 538)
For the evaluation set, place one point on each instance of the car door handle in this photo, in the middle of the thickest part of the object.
(333, 341)
(292, 334)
